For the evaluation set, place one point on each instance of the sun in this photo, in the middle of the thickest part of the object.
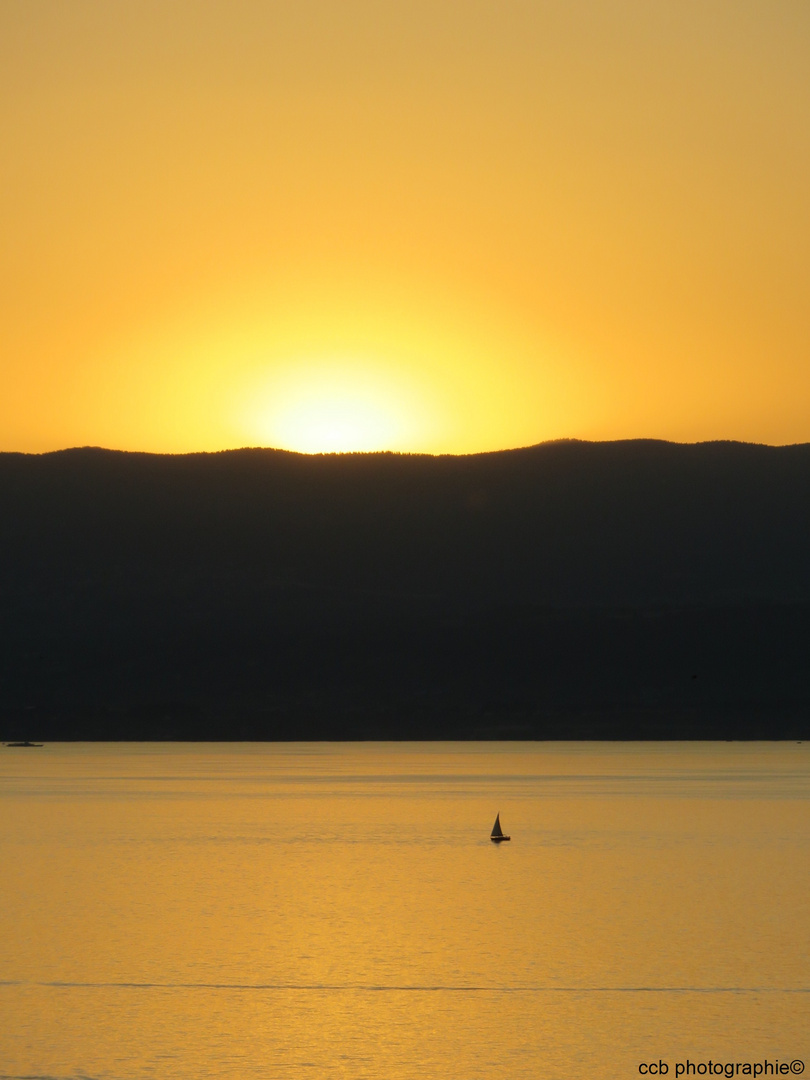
(333, 408)
(323, 423)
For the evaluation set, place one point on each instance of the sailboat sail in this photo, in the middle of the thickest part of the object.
(496, 828)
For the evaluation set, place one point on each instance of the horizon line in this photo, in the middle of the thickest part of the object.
(397, 453)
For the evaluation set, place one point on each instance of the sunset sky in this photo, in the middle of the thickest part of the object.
(432, 225)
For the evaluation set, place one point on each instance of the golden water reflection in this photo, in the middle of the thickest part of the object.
(330, 910)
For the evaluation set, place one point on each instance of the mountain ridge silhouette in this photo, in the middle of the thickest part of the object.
(637, 588)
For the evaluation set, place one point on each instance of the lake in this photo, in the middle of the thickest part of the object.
(338, 910)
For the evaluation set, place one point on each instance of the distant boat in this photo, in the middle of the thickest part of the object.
(496, 836)
(26, 743)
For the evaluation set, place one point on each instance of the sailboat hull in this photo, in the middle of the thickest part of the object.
(499, 839)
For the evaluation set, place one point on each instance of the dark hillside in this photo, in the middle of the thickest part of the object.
(635, 589)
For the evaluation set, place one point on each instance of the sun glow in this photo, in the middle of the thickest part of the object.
(307, 365)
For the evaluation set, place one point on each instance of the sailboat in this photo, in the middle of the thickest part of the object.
(497, 836)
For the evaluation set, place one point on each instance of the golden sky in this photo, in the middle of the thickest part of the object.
(439, 225)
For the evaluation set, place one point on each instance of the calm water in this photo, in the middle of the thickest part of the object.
(332, 910)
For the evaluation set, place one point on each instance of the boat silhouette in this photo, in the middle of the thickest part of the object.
(497, 836)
